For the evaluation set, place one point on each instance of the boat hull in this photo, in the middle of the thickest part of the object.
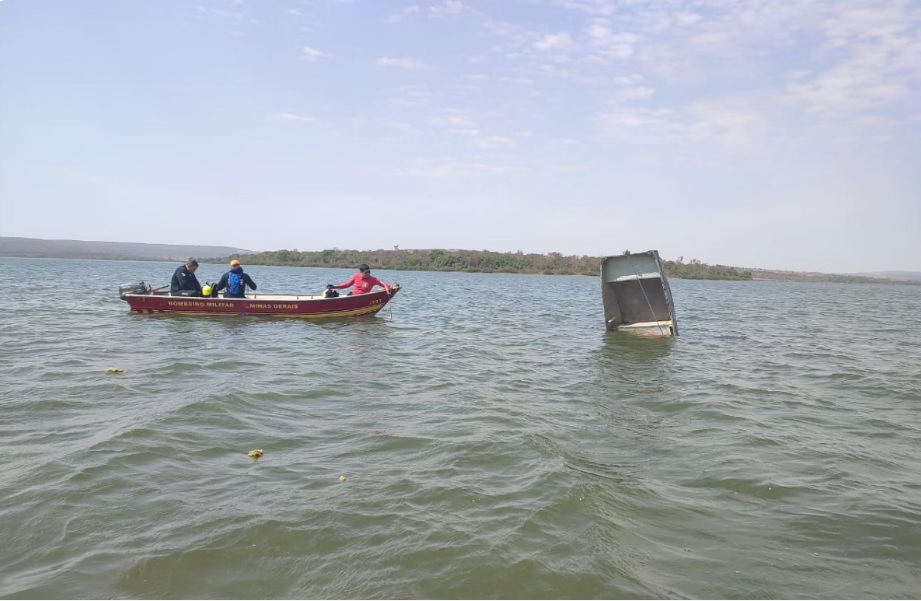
(307, 306)
(636, 296)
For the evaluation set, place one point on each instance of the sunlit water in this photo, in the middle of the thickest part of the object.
(496, 442)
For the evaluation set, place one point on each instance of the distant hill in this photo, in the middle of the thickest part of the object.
(134, 251)
(850, 278)
(908, 276)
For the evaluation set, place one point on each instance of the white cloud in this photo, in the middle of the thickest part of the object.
(869, 62)
(436, 168)
(403, 63)
(598, 32)
(415, 96)
(310, 55)
(687, 18)
(461, 123)
(740, 125)
(611, 45)
(406, 12)
(494, 141)
(592, 7)
(621, 118)
(457, 122)
(291, 117)
(633, 92)
(845, 88)
(554, 41)
(885, 21)
(217, 12)
(448, 7)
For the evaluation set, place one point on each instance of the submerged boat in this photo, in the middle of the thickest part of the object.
(636, 295)
(144, 299)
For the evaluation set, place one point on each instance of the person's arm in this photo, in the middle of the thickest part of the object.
(249, 281)
(351, 282)
(174, 283)
(376, 282)
(222, 283)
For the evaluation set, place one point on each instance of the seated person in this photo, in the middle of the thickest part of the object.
(363, 282)
(184, 282)
(235, 281)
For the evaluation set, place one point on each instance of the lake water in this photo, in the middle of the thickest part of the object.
(496, 442)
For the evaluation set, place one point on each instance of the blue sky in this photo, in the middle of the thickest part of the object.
(775, 134)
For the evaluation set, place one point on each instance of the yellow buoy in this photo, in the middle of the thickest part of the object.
(115, 370)
(255, 453)
(342, 478)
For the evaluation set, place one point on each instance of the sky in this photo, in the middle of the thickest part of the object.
(753, 133)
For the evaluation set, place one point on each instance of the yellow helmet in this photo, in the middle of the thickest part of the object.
(206, 290)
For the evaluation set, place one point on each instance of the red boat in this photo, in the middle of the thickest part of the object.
(143, 299)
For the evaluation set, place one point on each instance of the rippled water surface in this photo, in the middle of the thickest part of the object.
(496, 442)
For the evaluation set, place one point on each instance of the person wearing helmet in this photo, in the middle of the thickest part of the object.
(234, 282)
(184, 282)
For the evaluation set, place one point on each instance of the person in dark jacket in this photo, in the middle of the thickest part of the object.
(235, 282)
(184, 282)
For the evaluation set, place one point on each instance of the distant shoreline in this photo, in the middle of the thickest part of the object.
(413, 260)
(117, 251)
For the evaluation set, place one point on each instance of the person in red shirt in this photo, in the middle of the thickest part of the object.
(363, 282)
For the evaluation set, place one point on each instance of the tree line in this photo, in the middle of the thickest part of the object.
(553, 263)
(482, 261)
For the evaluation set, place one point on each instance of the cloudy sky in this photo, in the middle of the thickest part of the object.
(759, 133)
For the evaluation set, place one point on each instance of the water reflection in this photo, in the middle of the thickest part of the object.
(640, 349)
(629, 367)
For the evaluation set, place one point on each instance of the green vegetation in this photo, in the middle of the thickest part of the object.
(796, 276)
(485, 261)
(695, 270)
(415, 260)
(474, 261)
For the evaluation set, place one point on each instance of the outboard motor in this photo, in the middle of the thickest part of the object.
(139, 288)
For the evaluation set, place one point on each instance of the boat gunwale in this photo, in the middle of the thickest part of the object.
(264, 304)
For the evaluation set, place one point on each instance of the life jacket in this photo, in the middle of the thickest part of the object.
(235, 283)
